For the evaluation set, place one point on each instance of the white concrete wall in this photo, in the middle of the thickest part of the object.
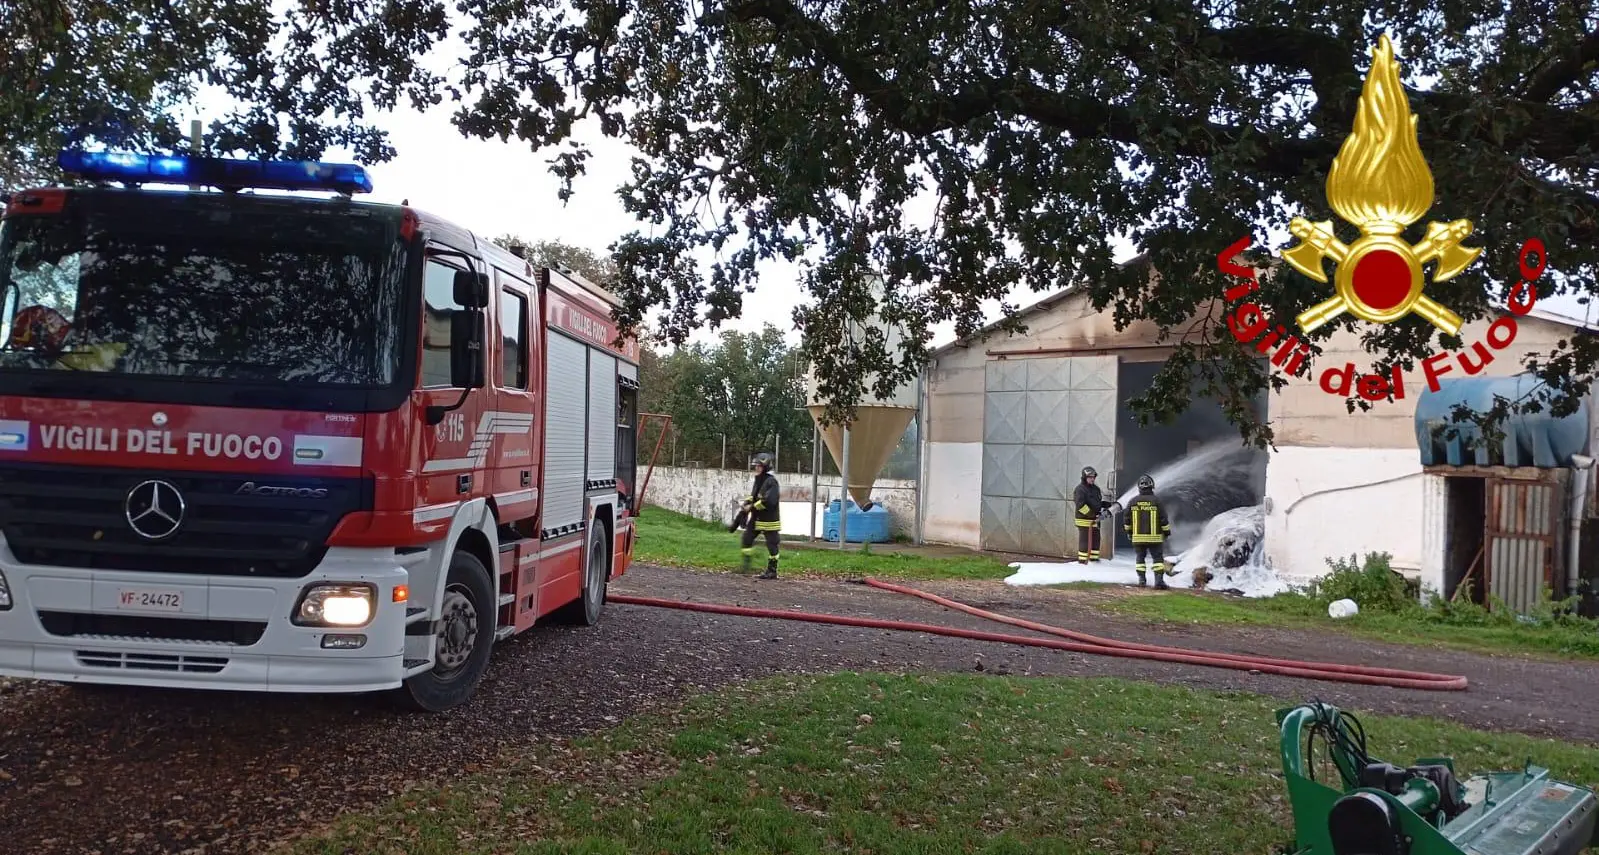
(1434, 533)
(713, 494)
(1329, 503)
(954, 493)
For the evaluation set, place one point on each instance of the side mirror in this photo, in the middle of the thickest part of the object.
(467, 331)
(472, 289)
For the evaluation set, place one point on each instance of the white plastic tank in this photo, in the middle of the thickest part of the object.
(880, 421)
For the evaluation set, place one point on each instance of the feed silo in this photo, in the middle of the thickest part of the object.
(879, 422)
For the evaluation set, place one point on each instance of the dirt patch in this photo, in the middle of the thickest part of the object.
(159, 771)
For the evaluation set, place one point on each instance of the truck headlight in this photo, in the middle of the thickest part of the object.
(5, 593)
(335, 605)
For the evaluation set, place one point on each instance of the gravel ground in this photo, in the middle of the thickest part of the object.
(158, 772)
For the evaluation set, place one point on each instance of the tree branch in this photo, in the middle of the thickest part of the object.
(1564, 71)
(1333, 76)
(1558, 134)
(1078, 116)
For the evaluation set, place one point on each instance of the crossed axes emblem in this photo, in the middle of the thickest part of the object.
(1442, 244)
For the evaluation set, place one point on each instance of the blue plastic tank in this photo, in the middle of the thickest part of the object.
(1531, 439)
(870, 526)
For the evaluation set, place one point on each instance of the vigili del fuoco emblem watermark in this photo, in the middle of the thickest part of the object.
(1380, 184)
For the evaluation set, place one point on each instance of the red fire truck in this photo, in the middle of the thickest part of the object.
(294, 443)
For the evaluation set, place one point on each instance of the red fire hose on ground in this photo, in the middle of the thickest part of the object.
(1081, 642)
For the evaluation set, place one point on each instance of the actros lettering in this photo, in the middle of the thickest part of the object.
(250, 488)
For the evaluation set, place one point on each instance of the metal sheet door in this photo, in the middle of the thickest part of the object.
(1044, 420)
(1004, 427)
(1520, 548)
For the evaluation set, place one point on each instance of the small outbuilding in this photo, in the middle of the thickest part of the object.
(1011, 419)
(1502, 518)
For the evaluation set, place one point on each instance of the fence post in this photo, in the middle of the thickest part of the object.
(843, 495)
(816, 474)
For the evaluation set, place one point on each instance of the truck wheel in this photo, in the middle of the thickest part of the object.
(585, 610)
(466, 635)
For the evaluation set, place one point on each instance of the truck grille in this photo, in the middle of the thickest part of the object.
(242, 633)
(124, 661)
(64, 516)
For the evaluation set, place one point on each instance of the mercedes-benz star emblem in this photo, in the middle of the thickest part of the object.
(154, 509)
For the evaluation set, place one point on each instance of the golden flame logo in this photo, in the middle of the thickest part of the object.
(1380, 183)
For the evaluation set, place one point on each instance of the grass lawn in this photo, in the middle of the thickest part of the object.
(921, 764)
(672, 539)
(1413, 627)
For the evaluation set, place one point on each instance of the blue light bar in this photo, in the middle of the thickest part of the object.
(216, 171)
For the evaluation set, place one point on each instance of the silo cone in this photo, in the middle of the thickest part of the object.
(880, 421)
(875, 433)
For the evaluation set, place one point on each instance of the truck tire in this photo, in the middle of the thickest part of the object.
(586, 609)
(467, 617)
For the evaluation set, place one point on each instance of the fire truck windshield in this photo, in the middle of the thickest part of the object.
(249, 290)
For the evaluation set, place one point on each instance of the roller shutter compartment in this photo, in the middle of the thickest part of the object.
(565, 385)
(602, 420)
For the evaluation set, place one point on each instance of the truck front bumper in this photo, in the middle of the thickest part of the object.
(200, 632)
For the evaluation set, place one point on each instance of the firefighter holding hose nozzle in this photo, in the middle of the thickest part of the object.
(1148, 524)
(759, 513)
(1088, 506)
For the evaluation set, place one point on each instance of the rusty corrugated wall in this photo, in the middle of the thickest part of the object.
(1522, 550)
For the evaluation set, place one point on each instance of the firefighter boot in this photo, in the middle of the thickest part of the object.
(1143, 581)
(1160, 580)
(771, 569)
(744, 567)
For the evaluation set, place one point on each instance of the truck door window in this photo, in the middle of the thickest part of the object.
(438, 290)
(513, 340)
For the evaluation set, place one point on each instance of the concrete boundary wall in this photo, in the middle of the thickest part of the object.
(713, 494)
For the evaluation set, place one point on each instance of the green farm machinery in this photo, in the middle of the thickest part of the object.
(1422, 809)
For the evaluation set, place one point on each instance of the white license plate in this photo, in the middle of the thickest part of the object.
(149, 599)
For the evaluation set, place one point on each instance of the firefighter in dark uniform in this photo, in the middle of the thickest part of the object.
(1088, 504)
(1148, 524)
(760, 509)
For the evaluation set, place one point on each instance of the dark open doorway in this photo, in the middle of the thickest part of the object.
(1241, 482)
(1465, 532)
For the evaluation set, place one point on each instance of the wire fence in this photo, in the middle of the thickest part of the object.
(797, 456)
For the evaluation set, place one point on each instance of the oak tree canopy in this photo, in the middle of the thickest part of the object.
(774, 128)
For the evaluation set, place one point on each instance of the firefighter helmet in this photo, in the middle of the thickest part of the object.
(1146, 483)
(1088, 472)
(763, 460)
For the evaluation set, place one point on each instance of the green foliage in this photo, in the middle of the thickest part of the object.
(1392, 608)
(117, 72)
(744, 389)
(959, 150)
(1378, 589)
(1374, 585)
(1034, 132)
(907, 765)
(592, 266)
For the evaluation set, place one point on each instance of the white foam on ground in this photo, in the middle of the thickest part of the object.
(1232, 537)
(1110, 572)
